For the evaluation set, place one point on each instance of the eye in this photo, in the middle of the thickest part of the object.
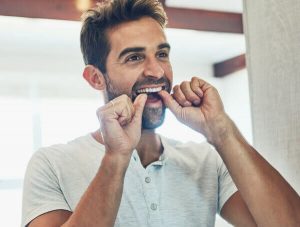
(134, 58)
(163, 54)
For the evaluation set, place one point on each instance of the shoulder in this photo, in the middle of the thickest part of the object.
(59, 157)
(78, 148)
(59, 173)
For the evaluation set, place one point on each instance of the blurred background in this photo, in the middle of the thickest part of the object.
(44, 99)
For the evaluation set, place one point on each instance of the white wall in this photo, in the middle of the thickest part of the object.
(273, 35)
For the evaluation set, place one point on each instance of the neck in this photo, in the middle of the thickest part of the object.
(149, 147)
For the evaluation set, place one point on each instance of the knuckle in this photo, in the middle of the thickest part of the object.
(191, 96)
(123, 98)
(214, 89)
(184, 84)
(194, 84)
(179, 98)
(194, 87)
(128, 99)
(175, 88)
(100, 115)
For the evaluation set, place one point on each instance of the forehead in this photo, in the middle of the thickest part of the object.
(145, 32)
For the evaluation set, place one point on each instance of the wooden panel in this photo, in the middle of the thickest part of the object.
(202, 20)
(50, 9)
(229, 66)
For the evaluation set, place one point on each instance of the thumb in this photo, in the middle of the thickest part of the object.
(139, 104)
(170, 102)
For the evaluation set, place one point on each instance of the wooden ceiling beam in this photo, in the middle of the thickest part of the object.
(229, 66)
(48, 9)
(202, 20)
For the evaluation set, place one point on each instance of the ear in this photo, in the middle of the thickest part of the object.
(94, 77)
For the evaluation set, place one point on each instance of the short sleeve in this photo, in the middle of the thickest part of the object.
(41, 190)
(226, 185)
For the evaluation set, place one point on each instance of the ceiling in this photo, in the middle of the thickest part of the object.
(218, 5)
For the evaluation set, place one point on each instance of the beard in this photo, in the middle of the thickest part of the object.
(152, 117)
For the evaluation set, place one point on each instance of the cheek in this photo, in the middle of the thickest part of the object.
(124, 86)
(169, 72)
(123, 79)
(131, 78)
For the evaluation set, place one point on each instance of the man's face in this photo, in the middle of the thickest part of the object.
(139, 63)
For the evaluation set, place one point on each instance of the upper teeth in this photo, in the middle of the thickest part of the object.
(149, 90)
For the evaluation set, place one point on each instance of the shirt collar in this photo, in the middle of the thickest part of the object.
(162, 158)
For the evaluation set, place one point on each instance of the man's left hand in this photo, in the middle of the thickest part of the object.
(198, 105)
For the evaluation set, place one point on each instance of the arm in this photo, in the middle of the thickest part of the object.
(236, 212)
(100, 203)
(121, 129)
(267, 196)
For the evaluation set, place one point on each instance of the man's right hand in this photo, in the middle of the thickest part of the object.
(121, 121)
(121, 131)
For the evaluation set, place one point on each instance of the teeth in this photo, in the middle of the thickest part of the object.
(149, 90)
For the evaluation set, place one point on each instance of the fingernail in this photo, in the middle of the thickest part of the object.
(199, 92)
(196, 102)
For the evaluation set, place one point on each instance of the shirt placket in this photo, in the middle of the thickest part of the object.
(151, 193)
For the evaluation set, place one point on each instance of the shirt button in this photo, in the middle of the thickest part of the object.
(153, 206)
(147, 179)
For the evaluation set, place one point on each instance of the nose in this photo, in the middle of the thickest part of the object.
(153, 68)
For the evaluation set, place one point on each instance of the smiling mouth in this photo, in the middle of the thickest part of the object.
(150, 91)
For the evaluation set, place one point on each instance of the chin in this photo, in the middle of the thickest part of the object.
(153, 118)
(151, 125)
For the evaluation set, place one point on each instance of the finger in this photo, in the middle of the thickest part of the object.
(170, 102)
(123, 116)
(120, 109)
(139, 104)
(189, 94)
(126, 105)
(180, 97)
(123, 102)
(195, 86)
(204, 86)
(124, 120)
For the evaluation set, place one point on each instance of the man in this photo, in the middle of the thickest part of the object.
(125, 174)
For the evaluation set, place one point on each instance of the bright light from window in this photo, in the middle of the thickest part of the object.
(16, 136)
(65, 119)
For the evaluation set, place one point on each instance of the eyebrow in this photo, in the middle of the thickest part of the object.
(164, 45)
(141, 49)
(131, 49)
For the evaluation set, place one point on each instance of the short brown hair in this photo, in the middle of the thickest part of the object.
(94, 42)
